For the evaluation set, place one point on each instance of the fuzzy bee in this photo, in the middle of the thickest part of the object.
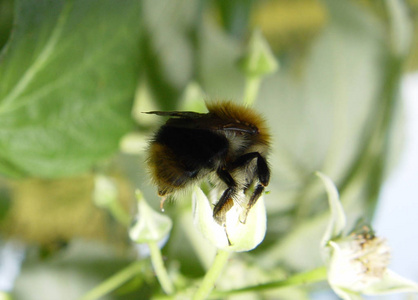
(229, 145)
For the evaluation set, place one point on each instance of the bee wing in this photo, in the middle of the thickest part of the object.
(181, 114)
(190, 119)
(186, 119)
(239, 127)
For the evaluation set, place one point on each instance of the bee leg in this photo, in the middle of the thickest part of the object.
(163, 199)
(163, 193)
(262, 167)
(263, 173)
(226, 201)
(254, 197)
(223, 206)
(244, 160)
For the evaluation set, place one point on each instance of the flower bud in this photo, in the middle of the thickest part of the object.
(105, 192)
(235, 235)
(149, 225)
(193, 98)
(259, 60)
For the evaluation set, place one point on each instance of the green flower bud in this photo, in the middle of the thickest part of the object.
(193, 99)
(259, 60)
(105, 192)
(149, 225)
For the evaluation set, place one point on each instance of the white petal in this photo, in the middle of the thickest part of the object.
(243, 237)
(346, 294)
(337, 220)
(203, 220)
(392, 283)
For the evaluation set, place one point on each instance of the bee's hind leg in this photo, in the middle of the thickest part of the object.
(258, 191)
(223, 206)
(226, 201)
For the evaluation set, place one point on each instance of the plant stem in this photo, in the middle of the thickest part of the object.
(159, 268)
(315, 275)
(212, 275)
(252, 86)
(113, 282)
(119, 213)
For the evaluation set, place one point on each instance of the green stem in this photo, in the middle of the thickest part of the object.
(212, 275)
(252, 85)
(113, 282)
(159, 268)
(119, 213)
(315, 275)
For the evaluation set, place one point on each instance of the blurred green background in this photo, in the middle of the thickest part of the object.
(75, 76)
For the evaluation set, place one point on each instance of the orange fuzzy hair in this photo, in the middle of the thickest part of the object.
(228, 110)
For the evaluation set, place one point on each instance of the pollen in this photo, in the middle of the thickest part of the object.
(373, 255)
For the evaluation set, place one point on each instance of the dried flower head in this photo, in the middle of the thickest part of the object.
(358, 261)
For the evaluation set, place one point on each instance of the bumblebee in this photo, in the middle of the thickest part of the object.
(228, 145)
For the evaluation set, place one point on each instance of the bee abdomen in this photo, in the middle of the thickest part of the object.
(180, 156)
(166, 170)
(193, 148)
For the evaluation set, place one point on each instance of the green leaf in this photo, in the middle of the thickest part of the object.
(67, 81)
(400, 27)
(6, 20)
(235, 15)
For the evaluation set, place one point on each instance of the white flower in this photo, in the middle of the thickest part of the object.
(235, 235)
(357, 262)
